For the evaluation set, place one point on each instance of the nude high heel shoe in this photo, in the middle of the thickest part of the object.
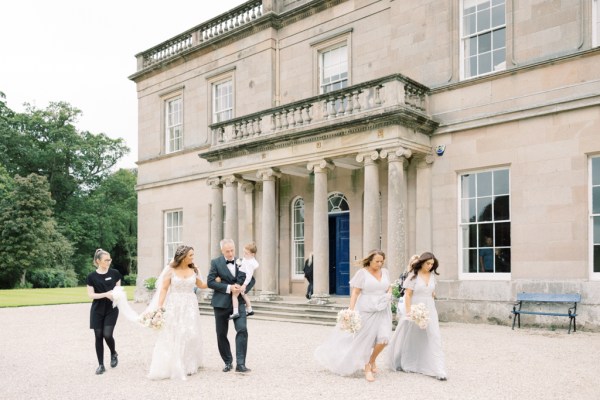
(369, 373)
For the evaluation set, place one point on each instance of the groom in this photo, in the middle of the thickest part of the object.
(228, 271)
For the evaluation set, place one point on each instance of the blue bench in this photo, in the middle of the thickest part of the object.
(547, 298)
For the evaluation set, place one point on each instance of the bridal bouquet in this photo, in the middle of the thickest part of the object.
(153, 319)
(348, 321)
(419, 315)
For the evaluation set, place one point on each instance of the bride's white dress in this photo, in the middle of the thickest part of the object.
(178, 349)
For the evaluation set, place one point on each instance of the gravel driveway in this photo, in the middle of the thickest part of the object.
(48, 353)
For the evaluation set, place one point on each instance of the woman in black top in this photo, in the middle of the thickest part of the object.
(103, 316)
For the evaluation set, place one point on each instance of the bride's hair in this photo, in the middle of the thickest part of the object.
(180, 254)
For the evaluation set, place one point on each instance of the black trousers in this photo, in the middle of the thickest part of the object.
(241, 337)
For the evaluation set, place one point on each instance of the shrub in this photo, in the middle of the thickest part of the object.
(52, 278)
(130, 280)
(150, 283)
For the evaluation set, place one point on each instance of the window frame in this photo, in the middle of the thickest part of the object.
(463, 38)
(595, 23)
(498, 276)
(214, 83)
(179, 233)
(167, 127)
(592, 215)
(321, 47)
(296, 241)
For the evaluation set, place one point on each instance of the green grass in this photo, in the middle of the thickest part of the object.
(42, 297)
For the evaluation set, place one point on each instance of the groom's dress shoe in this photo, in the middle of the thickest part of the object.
(228, 367)
(241, 368)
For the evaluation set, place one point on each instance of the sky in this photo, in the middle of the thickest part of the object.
(82, 52)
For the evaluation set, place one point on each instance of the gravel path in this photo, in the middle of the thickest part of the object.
(48, 353)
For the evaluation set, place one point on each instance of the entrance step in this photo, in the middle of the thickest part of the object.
(291, 309)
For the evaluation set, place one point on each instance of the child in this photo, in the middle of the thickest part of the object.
(249, 265)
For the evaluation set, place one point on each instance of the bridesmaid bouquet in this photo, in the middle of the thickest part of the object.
(153, 319)
(348, 321)
(419, 315)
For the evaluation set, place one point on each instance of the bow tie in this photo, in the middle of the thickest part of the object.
(230, 262)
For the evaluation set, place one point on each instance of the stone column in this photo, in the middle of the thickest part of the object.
(231, 210)
(423, 225)
(268, 244)
(216, 216)
(372, 206)
(320, 233)
(397, 213)
(247, 234)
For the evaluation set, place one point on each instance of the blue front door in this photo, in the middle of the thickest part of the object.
(339, 254)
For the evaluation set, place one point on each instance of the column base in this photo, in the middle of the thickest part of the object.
(268, 296)
(320, 299)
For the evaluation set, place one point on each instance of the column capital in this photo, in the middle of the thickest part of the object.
(396, 154)
(268, 174)
(230, 179)
(320, 166)
(247, 186)
(425, 160)
(368, 157)
(214, 182)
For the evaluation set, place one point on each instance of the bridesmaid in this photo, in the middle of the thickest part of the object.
(345, 353)
(413, 349)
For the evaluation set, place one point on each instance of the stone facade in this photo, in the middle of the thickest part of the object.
(373, 142)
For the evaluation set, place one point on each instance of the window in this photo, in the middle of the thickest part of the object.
(333, 68)
(595, 214)
(485, 222)
(337, 203)
(298, 238)
(173, 233)
(174, 124)
(595, 23)
(222, 106)
(483, 37)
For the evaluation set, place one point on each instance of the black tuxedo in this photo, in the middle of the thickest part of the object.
(223, 307)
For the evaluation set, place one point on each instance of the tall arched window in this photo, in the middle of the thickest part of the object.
(298, 237)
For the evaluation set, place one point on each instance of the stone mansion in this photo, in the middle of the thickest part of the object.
(468, 128)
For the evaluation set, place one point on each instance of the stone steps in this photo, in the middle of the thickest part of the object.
(289, 310)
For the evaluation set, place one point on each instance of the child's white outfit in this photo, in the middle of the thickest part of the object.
(249, 265)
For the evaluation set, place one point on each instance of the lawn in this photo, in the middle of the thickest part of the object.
(41, 297)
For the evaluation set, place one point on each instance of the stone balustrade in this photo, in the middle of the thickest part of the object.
(382, 95)
(208, 31)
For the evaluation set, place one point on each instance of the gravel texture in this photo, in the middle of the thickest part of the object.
(48, 353)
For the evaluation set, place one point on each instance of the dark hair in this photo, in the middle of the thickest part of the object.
(367, 260)
(98, 255)
(418, 264)
(180, 254)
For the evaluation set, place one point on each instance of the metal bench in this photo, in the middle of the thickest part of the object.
(547, 298)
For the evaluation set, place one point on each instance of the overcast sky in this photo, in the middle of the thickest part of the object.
(82, 52)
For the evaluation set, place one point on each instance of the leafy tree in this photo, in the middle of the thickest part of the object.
(29, 238)
(46, 142)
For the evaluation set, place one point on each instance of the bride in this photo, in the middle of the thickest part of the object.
(178, 349)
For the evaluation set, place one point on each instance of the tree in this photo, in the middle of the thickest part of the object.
(46, 142)
(29, 238)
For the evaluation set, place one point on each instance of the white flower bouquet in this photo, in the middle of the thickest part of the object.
(153, 319)
(419, 314)
(348, 321)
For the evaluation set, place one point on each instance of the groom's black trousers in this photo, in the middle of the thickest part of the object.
(241, 337)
